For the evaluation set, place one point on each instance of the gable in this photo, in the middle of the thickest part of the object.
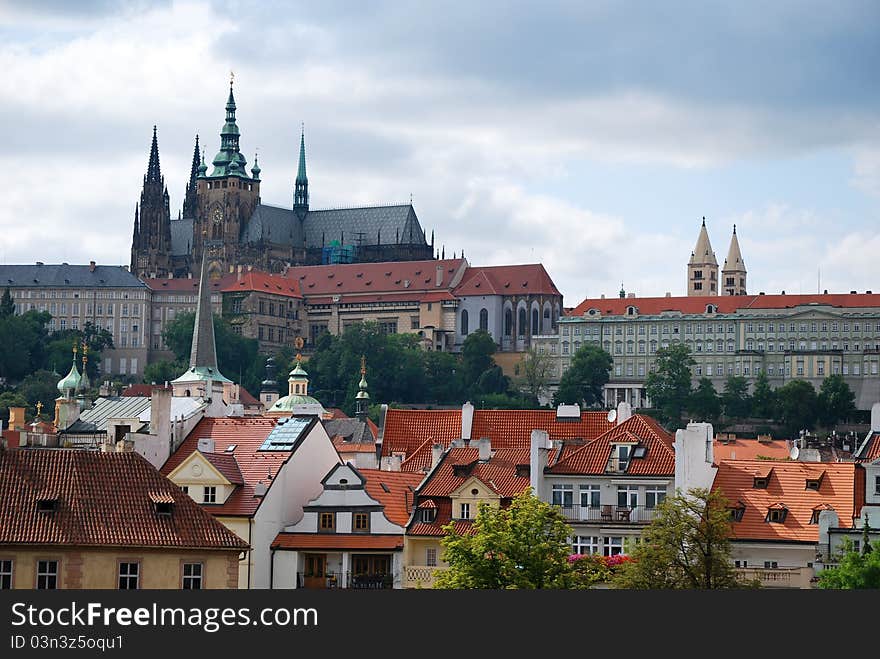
(343, 476)
(466, 490)
(197, 469)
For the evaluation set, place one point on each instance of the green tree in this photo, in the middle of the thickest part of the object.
(854, 570)
(735, 399)
(41, 386)
(797, 406)
(10, 399)
(164, 371)
(443, 382)
(837, 401)
(686, 546)
(584, 380)
(669, 386)
(7, 304)
(705, 405)
(533, 374)
(24, 340)
(476, 357)
(492, 381)
(763, 398)
(522, 546)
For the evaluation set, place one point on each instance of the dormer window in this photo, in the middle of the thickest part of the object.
(163, 508)
(632, 311)
(737, 512)
(162, 503)
(47, 505)
(760, 483)
(776, 514)
(711, 308)
(429, 515)
(639, 451)
(814, 481)
(523, 471)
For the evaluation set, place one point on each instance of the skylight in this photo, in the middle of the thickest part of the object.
(285, 435)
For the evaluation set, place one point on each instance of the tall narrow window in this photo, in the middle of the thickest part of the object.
(47, 575)
(484, 320)
(192, 576)
(6, 574)
(464, 322)
(508, 322)
(129, 574)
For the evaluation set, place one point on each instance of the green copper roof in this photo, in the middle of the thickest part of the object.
(287, 403)
(229, 160)
(298, 371)
(71, 380)
(201, 374)
(301, 172)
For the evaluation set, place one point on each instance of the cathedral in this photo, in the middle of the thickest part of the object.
(703, 279)
(224, 216)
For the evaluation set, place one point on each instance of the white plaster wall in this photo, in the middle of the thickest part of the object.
(693, 467)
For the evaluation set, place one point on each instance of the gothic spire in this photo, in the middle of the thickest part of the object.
(203, 352)
(154, 175)
(703, 251)
(190, 201)
(301, 188)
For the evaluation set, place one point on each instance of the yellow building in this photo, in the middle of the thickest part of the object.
(73, 519)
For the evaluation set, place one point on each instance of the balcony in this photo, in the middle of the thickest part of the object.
(617, 465)
(783, 577)
(608, 514)
(331, 580)
(420, 576)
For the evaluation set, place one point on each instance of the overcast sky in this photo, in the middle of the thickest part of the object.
(589, 136)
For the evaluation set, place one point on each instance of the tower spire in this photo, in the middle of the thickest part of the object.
(229, 160)
(362, 398)
(190, 201)
(702, 266)
(733, 273)
(301, 187)
(154, 174)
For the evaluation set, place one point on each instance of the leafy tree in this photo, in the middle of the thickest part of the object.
(854, 570)
(533, 373)
(836, 400)
(584, 380)
(669, 386)
(505, 401)
(763, 398)
(443, 381)
(10, 399)
(24, 341)
(522, 546)
(164, 371)
(735, 398)
(492, 381)
(797, 405)
(41, 386)
(686, 546)
(705, 405)
(7, 304)
(60, 345)
(476, 357)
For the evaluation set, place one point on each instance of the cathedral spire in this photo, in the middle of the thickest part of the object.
(154, 174)
(301, 188)
(733, 273)
(151, 239)
(190, 201)
(229, 160)
(203, 352)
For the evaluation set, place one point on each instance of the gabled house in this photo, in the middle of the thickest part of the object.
(350, 535)
(255, 475)
(608, 488)
(105, 520)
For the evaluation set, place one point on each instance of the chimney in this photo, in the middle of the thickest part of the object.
(206, 445)
(624, 411)
(391, 463)
(436, 453)
(91, 266)
(694, 456)
(875, 417)
(485, 446)
(668, 294)
(16, 418)
(439, 280)
(467, 420)
(539, 452)
(160, 412)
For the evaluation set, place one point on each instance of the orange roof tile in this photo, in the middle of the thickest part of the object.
(842, 488)
(355, 279)
(499, 473)
(750, 449)
(330, 541)
(105, 499)
(615, 306)
(529, 278)
(263, 282)
(247, 434)
(869, 450)
(398, 500)
(593, 458)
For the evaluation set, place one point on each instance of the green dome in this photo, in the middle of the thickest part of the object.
(298, 371)
(71, 380)
(287, 403)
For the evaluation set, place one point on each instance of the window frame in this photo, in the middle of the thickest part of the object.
(119, 576)
(192, 579)
(38, 574)
(326, 515)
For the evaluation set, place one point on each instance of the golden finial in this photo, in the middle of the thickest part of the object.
(298, 358)
(363, 365)
(75, 348)
(231, 78)
(39, 407)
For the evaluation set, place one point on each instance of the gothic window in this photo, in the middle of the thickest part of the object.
(464, 322)
(521, 325)
(484, 320)
(535, 326)
(508, 322)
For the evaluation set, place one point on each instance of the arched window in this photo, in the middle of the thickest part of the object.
(464, 322)
(484, 320)
(521, 324)
(508, 322)
(536, 328)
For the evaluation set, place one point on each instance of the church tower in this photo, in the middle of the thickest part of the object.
(703, 268)
(191, 198)
(733, 274)
(151, 240)
(227, 198)
(301, 187)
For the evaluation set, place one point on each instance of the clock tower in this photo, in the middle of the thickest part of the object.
(227, 198)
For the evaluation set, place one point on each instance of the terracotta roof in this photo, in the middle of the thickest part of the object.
(343, 446)
(105, 499)
(247, 399)
(593, 457)
(331, 541)
(842, 488)
(444, 516)
(370, 278)
(398, 501)
(616, 306)
(412, 432)
(499, 473)
(506, 280)
(750, 449)
(869, 450)
(247, 434)
(255, 280)
(138, 390)
(225, 463)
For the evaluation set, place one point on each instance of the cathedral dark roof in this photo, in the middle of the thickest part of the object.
(59, 276)
(383, 223)
(272, 224)
(181, 237)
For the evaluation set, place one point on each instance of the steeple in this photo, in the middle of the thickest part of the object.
(68, 385)
(269, 386)
(229, 160)
(703, 267)
(362, 399)
(190, 200)
(301, 188)
(733, 274)
(151, 238)
(154, 175)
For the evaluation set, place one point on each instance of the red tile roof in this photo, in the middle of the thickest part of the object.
(531, 278)
(357, 279)
(593, 458)
(247, 399)
(248, 434)
(138, 390)
(444, 516)
(870, 448)
(616, 306)
(842, 488)
(263, 282)
(398, 500)
(104, 499)
(331, 541)
(226, 464)
(499, 473)
(750, 449)
(412, 432)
